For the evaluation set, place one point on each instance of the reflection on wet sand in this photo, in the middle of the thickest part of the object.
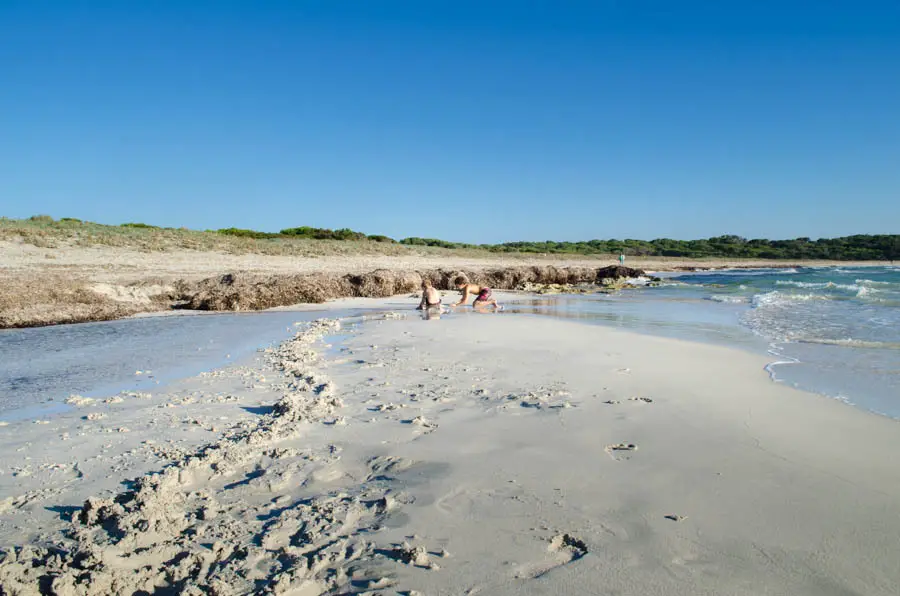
(563, 308)
(432, 314)
(636, 315)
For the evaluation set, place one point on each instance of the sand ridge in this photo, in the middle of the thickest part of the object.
(158, 533)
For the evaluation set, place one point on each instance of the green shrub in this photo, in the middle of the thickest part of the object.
(414, 241)
(380, 238)
(323, 233)
(247, 233)
(140, 225)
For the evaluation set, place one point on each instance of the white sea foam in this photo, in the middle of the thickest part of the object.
(880, 321)
(673, 284)
(728, 299)
(800, 284)
(879, 294)
(754, 272)
(776, 350)
(828, 285)
(850, 343)
(776, 298)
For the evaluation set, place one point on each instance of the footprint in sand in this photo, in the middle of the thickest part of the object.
(386, 407)
(388, 466)
(423, 422)
(415, 556)
(643, 400)
(619, 448)
(622, 447)
(563, 549)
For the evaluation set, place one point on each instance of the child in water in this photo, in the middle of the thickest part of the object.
(431, 298)
(482, 295)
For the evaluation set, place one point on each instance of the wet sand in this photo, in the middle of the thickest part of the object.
(466, 454)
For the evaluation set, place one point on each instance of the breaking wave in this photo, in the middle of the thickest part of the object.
(776, 298)
(729, 299)
(828, 285)
(850, 343)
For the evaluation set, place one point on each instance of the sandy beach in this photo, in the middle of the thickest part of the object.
(467, 454)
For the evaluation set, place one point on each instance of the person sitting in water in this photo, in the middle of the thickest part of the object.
(482, 295)
(431, 298)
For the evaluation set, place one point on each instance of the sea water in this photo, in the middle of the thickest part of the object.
(830, 330)
(41, 367)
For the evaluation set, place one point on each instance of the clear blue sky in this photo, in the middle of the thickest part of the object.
(468, 121)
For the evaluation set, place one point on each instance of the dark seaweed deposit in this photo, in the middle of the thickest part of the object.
(51, 300)
(245, 291)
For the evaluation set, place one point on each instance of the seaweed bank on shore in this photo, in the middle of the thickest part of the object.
(36, 302)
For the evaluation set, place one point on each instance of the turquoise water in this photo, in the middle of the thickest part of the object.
(834, 331)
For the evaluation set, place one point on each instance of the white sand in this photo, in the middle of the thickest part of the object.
(474, 454)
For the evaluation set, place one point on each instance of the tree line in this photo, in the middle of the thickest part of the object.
(307, 232)
(860, 247)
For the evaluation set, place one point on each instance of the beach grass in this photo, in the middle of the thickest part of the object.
(44, 231)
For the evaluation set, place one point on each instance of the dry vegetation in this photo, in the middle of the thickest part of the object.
(245, 291)
(30, 301)
(45, 232)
